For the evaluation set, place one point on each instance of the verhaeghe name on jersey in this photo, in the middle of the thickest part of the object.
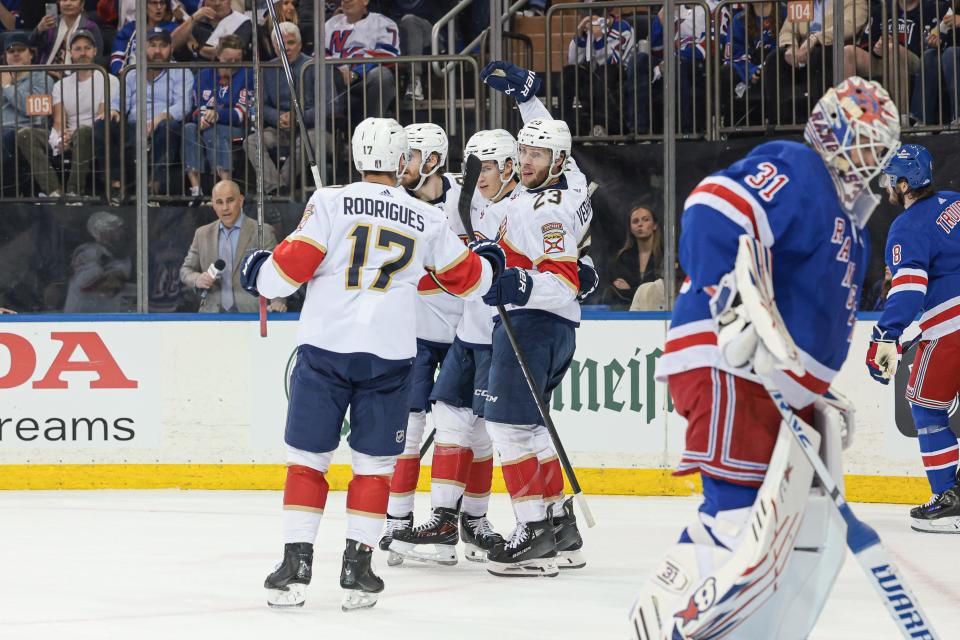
(393, 211)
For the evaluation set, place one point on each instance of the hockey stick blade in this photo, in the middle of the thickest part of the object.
(862, 539)
(471, 173)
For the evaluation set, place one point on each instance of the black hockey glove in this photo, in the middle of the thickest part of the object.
(493, 253)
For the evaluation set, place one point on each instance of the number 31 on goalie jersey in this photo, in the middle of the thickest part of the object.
(767, 181)
(387, 239)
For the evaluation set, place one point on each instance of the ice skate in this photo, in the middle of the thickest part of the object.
(530, 551)
(394, 524)
(478, 537)
(357, 577)
(941, 514)
(286, 586)
(434, 541)
(569, 542)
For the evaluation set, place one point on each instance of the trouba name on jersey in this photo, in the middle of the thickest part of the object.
(393, 211)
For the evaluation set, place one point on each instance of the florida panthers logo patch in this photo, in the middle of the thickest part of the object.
(553, 235)
(306, 216)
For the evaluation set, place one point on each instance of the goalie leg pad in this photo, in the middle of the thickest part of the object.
(729, 575)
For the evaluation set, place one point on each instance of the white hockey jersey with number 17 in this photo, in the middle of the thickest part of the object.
(362, 249)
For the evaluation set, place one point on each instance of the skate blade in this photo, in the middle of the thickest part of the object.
(394, 559)
(442, 554)
(473, 553)
(293, 596)
(940, 525)
(539, 568)
(354, 599)
(571, 559)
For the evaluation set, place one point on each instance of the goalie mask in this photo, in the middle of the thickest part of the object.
(855, 127)
(427, 138)
(380, 144)
(497, 145)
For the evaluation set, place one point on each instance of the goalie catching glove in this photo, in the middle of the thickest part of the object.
(883, 356)
(750, 330)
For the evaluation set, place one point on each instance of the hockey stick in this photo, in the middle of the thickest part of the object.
(294, 100)
(862, 539)
(470, 176)
(258, 109)
(427, 443)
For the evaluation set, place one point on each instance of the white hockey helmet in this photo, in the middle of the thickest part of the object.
(379, 144)
(549, 134)
(498, 145)
(853, 120)
(428, 139)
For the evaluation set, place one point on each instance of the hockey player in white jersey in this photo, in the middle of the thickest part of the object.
(362, 250)
(547, 219)
(438, 314)
(462, 469)
(775, 248)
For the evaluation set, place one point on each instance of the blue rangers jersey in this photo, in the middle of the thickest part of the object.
(782, 194)
(923, 254)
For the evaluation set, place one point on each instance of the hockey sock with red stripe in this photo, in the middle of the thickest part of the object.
(552, 475)
(940, 452)
(304, 497)
(476, 495)
(449, 474)
(367, 507)
(525, 485)
(404, 485)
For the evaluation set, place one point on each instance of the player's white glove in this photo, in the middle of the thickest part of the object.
(883, 356)
(736, 336)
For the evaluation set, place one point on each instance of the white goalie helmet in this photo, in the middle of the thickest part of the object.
(498, 145)
(854, 120)
(549, 134)
(379, 144)
(428, 139)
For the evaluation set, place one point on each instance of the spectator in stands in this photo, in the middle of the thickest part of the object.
(78, 99)
(52, 35)
(804, 56)
(640, 259)
(227, 239)
(591, 81)
(353, 35)
(215, 19)
(915, 18)
(16, 87)
(746, 40)
(169, 97)
(416, 19)
(286, 12)
(10, 15)
(644, 77)
(280, 129)
(935, 99)
(159, 14)
(650, 296)
(223, 98)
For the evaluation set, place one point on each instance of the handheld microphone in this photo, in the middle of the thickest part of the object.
(215, 270)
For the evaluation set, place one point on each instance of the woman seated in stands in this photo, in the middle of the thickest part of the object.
(51, 38)
(639, 261)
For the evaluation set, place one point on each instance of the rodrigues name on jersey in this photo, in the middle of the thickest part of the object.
(782, 194)
(363, 249)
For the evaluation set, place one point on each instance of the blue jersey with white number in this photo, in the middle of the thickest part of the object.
(782, 194)
(923, 253)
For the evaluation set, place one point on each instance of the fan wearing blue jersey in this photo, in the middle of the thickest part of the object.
(805, 206)
(924, 256)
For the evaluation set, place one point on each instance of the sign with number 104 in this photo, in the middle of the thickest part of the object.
(800, 10)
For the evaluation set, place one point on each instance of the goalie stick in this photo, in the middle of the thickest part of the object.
(901, 603)
(470, 176)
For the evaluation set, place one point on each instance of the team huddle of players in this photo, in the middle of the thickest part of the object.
(399, 320)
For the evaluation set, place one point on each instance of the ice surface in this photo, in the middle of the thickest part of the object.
(191, 564)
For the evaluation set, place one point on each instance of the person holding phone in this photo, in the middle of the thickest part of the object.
(51, 37)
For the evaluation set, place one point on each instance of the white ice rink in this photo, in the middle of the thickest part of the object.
(191, 564)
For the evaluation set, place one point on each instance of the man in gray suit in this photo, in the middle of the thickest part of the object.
(229, 238)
